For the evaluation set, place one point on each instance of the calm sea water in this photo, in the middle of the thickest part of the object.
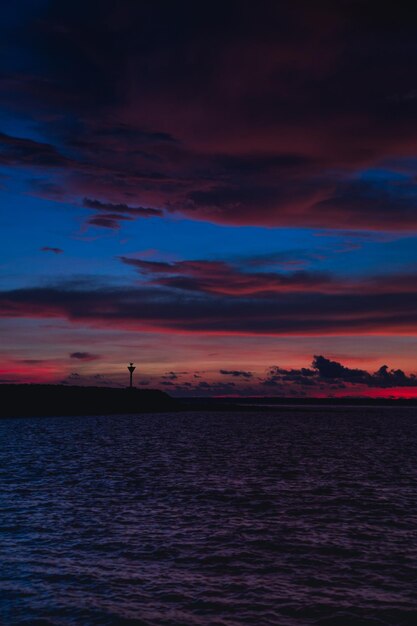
(298, 516)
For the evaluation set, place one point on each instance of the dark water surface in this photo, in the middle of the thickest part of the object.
(299, 516)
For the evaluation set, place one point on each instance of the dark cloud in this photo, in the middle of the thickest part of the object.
(269, 115)
(233, 280)
(53, 250)
(30, 361)
(170, 376)
(110, 220)
(121, 208)
(277, 376)
(110, 215)
(89, 380)
(219, 277)
(386, 304)
(72, 379)
(20, 151)
(332, 370)
(237, 373)
(206, 385)
(326, 375)
(84, 356)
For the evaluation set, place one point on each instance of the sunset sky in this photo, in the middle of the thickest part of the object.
(217, 191)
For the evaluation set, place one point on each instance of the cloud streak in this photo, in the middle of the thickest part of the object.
(374, 306)
(110, 215)
(53, 250)
(237, 374)
(84, 356)
(219, 277)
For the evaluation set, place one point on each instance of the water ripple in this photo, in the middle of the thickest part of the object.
(288, 518)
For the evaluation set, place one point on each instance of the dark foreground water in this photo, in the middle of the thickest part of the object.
(300, 516)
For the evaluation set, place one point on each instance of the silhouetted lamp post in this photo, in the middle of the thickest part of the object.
(131, 369)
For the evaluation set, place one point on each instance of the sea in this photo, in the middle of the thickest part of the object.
(288, 516)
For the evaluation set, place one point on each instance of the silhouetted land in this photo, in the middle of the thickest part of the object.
(43, 400)
(287, 404)
(268, 403)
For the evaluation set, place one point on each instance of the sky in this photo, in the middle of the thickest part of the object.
(224, 193)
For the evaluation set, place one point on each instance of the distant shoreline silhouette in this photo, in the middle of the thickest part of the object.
(33, 400)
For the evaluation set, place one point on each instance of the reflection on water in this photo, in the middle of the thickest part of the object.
(300, 516)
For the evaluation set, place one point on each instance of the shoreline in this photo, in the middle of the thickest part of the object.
(33, 400)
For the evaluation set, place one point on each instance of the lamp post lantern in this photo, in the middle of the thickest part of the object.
(131, 369)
